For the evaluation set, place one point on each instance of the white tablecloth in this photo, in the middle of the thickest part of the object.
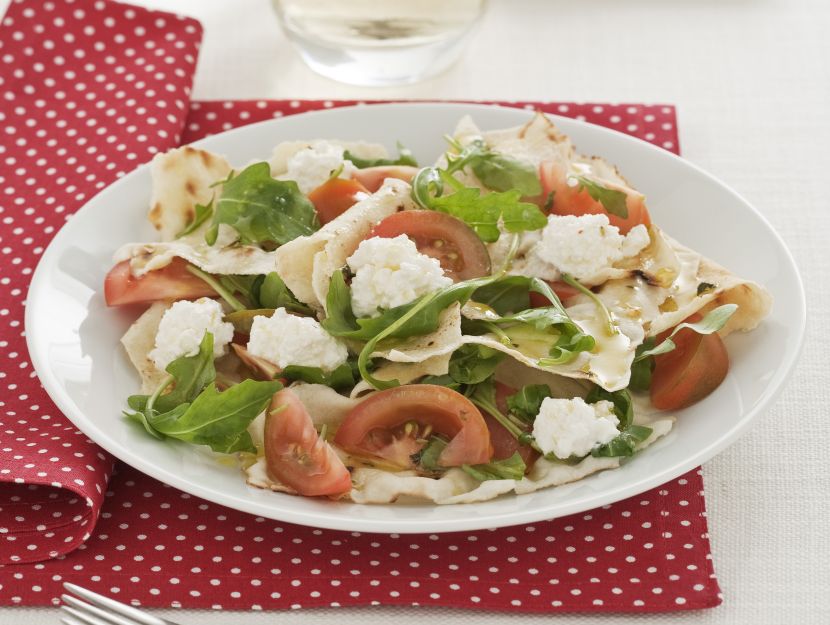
(751, 80)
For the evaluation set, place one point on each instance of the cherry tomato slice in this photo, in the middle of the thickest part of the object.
(372, 177)
(573, 200)
(335, 196)
(393, 424)
(689, 373)
(296, 455)
(449, 240)
(173, 282)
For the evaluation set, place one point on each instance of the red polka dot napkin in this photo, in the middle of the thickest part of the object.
(91, 89)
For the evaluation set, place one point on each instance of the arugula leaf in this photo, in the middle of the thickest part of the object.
(502, 173)
(271, 292)
(624, 444)
(527, 401)
(203, 211)
(340, 319)
(243, 320)
(506, 295)
(623, 406)
(481, 212)
(340, 379)
(219, 420)
(405, 158)
(471, 364)
(189, 374)
(428, 456)
(495, 170)
(548, 322)
(263, 210)
(714, 320)
(512, 468)
(641, 370)
(612, 200)
(483, 395)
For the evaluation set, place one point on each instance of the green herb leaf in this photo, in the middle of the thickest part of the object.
(642, 369)
(272, 292)
(512, 468)
(340, 379)
(405, 157)
(188, 374)
(612, 200)
(625, 444)
(440, 380)
(203, 211)
(527, 401)
(503, 173)
(263, 210)
(714, 320)
(506, 295)
(428, 456)
(472, 364)
(219, 420)
(623, 406)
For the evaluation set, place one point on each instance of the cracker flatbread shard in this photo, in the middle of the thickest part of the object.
(139, 340)
(307, 263)
(182, 178)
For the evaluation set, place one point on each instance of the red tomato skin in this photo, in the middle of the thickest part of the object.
(296, 455)
(372, 177)
(568, 200)
(427, 228)
(448, 412)
(691, 372)
(335, 196)
(172, 282)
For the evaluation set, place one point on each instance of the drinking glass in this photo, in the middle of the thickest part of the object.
(379, 42)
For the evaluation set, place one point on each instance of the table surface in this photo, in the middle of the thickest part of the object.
(751, 80)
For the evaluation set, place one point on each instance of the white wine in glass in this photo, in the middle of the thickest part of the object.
(379, 42)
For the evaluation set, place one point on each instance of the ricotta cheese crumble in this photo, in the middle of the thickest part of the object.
(285, 339)
(572, 427)
(183, 327)
(391, 272)
(585, 247)
(312, 166)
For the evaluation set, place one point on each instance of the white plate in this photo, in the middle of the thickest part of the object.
(73, 338)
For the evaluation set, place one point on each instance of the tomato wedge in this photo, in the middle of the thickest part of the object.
(573, 200)
(296, 455)
(563, 292)
(393, 424)
(372, 177)
(503, 442)
(335, 196)
(689, 373)
(446, 238)
(172, 282)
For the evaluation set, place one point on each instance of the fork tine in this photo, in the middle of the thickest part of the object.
(92, 615)
(105, 603)
(88, 617)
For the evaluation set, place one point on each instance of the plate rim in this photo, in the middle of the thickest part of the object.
(510, 518)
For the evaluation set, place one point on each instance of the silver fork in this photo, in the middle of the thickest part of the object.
(95, 609)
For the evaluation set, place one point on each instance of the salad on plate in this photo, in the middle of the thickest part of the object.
(345, 323)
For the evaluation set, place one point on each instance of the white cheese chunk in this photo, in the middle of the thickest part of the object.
(571, 427)
(312, 166)
(391, 272)
(184, 325)
(285, 339)
(585, 247)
